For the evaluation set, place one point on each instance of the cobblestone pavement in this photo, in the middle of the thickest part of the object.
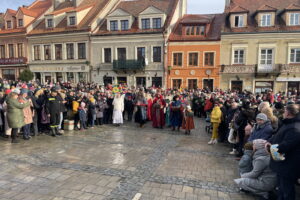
(118, 163)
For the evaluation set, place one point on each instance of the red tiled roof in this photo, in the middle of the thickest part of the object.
(214, 22)
(293, 7)
(135, 8)
(11, 11)
(84, 25)
(279, 6)
(238, 9)
(28, 12)
(266, 8)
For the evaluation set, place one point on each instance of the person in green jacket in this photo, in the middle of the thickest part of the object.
(15, 115)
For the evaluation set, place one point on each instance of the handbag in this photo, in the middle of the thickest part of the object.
(231, 137)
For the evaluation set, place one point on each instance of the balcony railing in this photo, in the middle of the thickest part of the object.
(238, 69)
(270, 69)
(290, 68)
(128, 65)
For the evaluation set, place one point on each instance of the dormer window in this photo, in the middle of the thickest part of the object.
(239, 21)
(195, 30)
(265, 20)
(50, 23)
(20, 23)
(124, 25)
(294, 19)
(146, 23)
(8, 24)
(114, 25)
(156, 23)
(72, 21)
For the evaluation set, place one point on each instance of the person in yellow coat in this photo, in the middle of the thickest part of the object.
(215, 119)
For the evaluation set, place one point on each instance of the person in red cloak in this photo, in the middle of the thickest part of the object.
(149, 108)
(158, 116)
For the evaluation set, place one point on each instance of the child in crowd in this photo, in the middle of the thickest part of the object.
(245, 164)
(82, 116)
(188, 120)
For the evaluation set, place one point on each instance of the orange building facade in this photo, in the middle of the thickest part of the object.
(194, 53)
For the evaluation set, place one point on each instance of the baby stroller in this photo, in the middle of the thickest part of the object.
(208, 127)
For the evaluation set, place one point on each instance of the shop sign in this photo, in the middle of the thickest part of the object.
(12, 61)
(287, 79)
(82, 68)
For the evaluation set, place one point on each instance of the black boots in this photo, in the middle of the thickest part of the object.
(53, 132)
(57, 131)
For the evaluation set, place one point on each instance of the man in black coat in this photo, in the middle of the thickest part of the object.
(288, 140)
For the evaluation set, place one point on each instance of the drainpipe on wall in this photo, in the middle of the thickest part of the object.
(165, 75)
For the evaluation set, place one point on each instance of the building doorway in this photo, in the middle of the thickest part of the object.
(141, 81)
(294, 87)
(263, 86)
(208, 84)
(192, 84)
(107, 80)
(237, 86)
(122, 80)
(9, 74)
(177, 83)
(156, 82)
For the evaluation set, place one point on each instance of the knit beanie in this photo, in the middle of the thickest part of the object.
(248, 146)
(262, 116)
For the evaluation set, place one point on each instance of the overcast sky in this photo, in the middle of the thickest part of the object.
(194, 6)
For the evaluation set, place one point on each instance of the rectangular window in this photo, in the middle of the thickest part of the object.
(193, 59)
(156, 23)
(114, 25)
(2, 51)
(11, 51)
(209, 59)
(107, 55)
(156, 54)
(49, 23)
(70, 51)
(145, 23)
(58, 52)
(266, 20)
(295, 56)
(8, 24)
(176, 83)
(192, 84)
(266, 56)
(72, 21)
(239, 21)
(81, 51)
(239, 56)
(37, 52)
(188, 30)
(177, 59)
(20, 50)
(47, 52)
(121, 53)
(200, 30)
(294, 19)
(20, 23)
(141, 53)
(124, 25)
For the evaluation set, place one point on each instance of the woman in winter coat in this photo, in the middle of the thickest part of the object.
(101, 105)
(188, 120)
(215, 119)
(175, 113)
(141, 113)
(261, 180)
(262, 129)
(288, 140)
(28, 115)
(15, 115)
(92, 112)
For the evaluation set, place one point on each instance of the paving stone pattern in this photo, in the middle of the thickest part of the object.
(117, 163)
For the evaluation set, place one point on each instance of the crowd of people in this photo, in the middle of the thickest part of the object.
(255, 125)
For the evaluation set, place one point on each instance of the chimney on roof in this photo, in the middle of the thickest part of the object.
(227, 3)
(77, 2)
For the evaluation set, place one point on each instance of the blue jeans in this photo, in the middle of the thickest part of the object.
(26, 130)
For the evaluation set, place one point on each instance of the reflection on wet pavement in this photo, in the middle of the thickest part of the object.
(118, 163)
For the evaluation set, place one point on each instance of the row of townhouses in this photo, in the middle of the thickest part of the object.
(253, 45)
